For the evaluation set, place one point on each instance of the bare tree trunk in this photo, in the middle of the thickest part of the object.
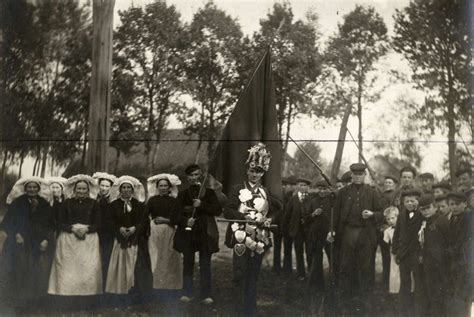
(99, 108)
(4, 165)
(44, 160)
(288, 127)
(117, 161)
(22, 159)
(37, 160)
(451, 130)
(336, 165)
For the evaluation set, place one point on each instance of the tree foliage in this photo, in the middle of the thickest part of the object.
(148, 48)
(212, 80)
(434, 37)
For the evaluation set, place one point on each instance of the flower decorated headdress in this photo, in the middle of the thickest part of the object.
(173, 179)
(259, 157)
(138, 188)
(19, 188)
(102, 175)
(73, 180)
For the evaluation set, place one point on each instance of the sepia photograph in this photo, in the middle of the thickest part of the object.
(236, 158)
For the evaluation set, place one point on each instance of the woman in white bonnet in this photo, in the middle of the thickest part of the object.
(163, 210)
(76, 269)
(26, 254)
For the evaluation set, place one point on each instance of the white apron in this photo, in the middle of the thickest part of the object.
(121, 273)
(166, 262)
(76, 266)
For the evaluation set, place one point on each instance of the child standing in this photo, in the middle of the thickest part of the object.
(405, 247)
(434, 242)
(391, 216)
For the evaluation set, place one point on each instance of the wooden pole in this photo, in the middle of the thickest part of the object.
(99, 106)
(336, 165)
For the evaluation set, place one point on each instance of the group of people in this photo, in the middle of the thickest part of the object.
(89, 235)
(424, 233)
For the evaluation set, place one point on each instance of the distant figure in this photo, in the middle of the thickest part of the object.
(464, 179)
(441, 188)
(427, 180)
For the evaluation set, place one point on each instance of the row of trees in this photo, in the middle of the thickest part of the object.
(195, 71)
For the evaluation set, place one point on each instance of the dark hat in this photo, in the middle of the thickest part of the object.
(463, 170)
(284, 181)
(291, 180)
(425, 201)
(457, 196)
(443, 184)
(408, 169)
(303, 180)
(411, 192)
(470, 191)
(392, 178)
(426, 176)
(191, 168)
(322, 183)
(441, 198)
(346, 177)
(357, 167)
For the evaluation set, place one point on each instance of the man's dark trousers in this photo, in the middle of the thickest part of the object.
(204, 272)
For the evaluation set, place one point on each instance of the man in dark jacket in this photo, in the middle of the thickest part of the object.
(318, 223)
(357, 211)
(296, 211)
(461, 255)
(197, 232)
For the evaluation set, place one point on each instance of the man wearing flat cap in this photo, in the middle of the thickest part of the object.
(318, 223)
(461, 255)
(427, 180)
(357, 211)
(294, 223)
(346, 178)
(197, 232)
(389, 190)
(464, 179)
(407, 179)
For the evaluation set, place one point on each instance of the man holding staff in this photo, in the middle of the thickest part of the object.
(197, 232)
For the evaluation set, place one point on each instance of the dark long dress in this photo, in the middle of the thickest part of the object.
(106, 233)
(24, 267)
(135, 218)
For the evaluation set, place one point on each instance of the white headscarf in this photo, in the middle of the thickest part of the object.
(70, 185)
(173, 179)
(19, 188)
(138, 189)
(102, 175)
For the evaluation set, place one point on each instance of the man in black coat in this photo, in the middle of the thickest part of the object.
(296, 211)
(318, 223)
(197, 232)
(357, 211)
(461, 255)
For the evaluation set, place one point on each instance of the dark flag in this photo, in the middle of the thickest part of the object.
(253, 120)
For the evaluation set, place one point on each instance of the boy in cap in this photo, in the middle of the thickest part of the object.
(318, 223)
(442, 205)
(388, 195)
(461, 224)
(346, 178)
(294, 224)
(357, 210)
(405, 246)
(433, 238)
(427, 180)
(441, 188)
